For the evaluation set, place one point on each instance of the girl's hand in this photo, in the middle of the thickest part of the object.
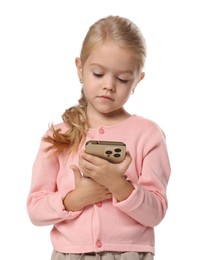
(110, 175)
(86, 192)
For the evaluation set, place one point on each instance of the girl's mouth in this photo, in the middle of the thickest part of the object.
(106, 97)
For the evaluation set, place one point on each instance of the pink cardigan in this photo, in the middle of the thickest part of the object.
(108, 226)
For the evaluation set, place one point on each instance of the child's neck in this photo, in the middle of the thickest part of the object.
(98, 120)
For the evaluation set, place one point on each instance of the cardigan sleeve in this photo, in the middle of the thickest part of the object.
(45, 202)
(147, 204)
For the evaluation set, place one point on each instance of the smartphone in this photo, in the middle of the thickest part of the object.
(112, 151)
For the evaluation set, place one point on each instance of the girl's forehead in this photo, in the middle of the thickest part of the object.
(112, 56)
(108, 50)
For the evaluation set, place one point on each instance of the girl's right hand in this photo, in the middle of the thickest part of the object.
(86, 192)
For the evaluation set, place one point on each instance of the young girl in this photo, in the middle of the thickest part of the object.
(99, 209)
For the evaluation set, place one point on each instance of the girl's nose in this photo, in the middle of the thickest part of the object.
(109, 86)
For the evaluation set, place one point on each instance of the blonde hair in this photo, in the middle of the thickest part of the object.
(125, 34)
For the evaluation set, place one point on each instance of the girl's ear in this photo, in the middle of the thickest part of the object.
(78, 64)
(141, 76)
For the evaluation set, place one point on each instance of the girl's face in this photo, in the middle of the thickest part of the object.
(109, 75)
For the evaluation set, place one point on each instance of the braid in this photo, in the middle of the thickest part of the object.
(75, 118)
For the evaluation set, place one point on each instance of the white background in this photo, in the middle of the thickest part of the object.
(39, 41)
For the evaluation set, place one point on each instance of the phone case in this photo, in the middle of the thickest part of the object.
(112, 151)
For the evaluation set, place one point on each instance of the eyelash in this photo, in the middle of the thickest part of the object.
(123, 80)
(97, 75)
(101, 75)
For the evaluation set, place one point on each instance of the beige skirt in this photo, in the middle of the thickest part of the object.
(103, 256)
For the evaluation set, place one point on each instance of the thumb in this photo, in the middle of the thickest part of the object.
(128, 159)
(77, 173)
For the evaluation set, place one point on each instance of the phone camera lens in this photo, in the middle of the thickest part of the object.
(117, 150)
(116, 155)
(108, 152)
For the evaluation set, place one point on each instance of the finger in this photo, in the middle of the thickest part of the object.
(92, 159)
(128, 159)
(77, 173)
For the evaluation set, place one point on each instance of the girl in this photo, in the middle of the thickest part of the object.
(112, 211)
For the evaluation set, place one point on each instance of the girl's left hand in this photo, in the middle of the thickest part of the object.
(110, 175)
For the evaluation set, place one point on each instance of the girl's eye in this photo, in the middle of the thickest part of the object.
(97, 75)
(123, 80)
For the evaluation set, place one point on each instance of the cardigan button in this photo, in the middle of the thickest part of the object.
(99, 204)
(99, 243)
(101, 130)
